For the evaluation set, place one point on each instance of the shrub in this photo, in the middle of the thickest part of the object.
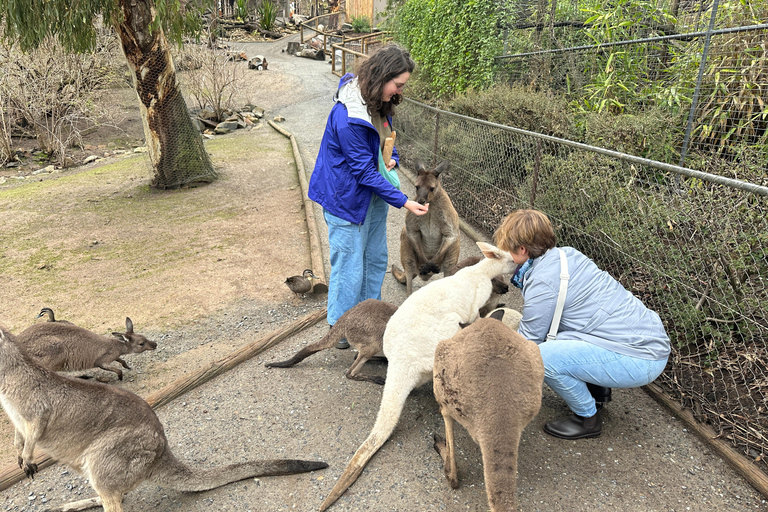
(361, 24)
(212, 79)
(518, 106)
(267, 12)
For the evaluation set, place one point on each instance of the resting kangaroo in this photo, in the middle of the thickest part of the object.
(110, 435)
(433, 313)
(62, 346)
(363, 326)
(489, 379)
(429, 243)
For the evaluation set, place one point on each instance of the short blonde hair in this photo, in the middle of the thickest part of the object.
(525, 228)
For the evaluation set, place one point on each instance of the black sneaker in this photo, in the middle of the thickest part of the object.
(342, 344)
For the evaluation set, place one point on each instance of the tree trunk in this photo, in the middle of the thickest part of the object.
(175, 147)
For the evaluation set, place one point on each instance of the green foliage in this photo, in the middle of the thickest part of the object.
(267, 12)
(653, 133)
(241, 10)
(518, 106)
(29, 22)
(361, 24)
(453, 41)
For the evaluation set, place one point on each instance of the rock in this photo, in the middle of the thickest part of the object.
(89, 159)
(278, 119)
(140, 149)
(206, 114)
(199, 126)
(258, 62)
(225, 127)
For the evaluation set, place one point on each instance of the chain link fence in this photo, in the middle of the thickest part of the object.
(693, 246)
(709, 74)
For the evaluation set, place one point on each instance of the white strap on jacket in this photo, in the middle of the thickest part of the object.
(564, 276)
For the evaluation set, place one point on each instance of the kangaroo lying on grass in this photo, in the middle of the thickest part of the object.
(62, 346)
(363, 326)
(110, 435)
(429, 243)
(489, 379)
(433, 313)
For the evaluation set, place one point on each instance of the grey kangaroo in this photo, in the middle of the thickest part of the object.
(429, 243)
(110, 435)
(64, 346)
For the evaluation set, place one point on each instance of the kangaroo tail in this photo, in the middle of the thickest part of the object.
(171, 472)
(398, 274)
(396, 389)
(327, 341)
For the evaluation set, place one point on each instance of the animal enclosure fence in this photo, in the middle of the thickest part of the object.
(693, 246)
(713, 82)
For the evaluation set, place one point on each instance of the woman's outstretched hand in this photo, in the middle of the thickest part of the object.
(416, 208)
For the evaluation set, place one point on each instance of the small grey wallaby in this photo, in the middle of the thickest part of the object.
(111, 436)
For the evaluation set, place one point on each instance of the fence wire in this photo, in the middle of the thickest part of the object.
(714, 86)
(692, 246)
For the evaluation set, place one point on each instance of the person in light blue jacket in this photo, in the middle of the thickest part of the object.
(606, 337)
(352, 182)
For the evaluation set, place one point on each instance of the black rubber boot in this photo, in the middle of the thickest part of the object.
(342, 344)
(601, 394)
(575, 427)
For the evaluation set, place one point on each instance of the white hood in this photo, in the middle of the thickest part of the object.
(350, 96)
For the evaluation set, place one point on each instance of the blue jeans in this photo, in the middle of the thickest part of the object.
(358, 258)
(570, 364)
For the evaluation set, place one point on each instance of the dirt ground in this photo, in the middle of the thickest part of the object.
(201, 272)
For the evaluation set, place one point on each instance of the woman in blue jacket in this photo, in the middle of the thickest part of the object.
(347, 181)
(606, 337)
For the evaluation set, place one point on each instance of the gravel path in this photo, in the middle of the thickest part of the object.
(644, 461)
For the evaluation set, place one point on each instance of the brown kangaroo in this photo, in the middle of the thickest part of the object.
(62, 346)
(429, 243)
(110, 435)
(363, 326)
(489, 379)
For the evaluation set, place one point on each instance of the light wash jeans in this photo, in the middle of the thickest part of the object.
(570, 364)
(358, 258)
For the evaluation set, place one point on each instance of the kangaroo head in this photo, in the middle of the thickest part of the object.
(427, 183)
(135, 342)
(506, 263)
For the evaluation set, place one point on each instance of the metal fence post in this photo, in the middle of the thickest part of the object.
(694, 103)
(535, 177)
(434, 146)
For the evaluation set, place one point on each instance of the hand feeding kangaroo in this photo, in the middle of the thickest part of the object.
(110, 435)
(429, 243)
(62, 346)
(489, 379)
(432, 313)
(363, 326)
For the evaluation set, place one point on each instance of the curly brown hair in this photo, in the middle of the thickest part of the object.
(374, 72)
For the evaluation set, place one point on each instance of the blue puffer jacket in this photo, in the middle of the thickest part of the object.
(346, 171)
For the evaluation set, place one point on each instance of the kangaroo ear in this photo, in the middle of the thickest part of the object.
(498, 314)
(489, 251)
(421, 168)
(444, 165)
(128, 325)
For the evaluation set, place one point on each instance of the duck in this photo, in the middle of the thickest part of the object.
(48, 312)
(303, 284)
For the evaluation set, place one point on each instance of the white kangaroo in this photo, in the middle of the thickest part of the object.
(432, 313)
